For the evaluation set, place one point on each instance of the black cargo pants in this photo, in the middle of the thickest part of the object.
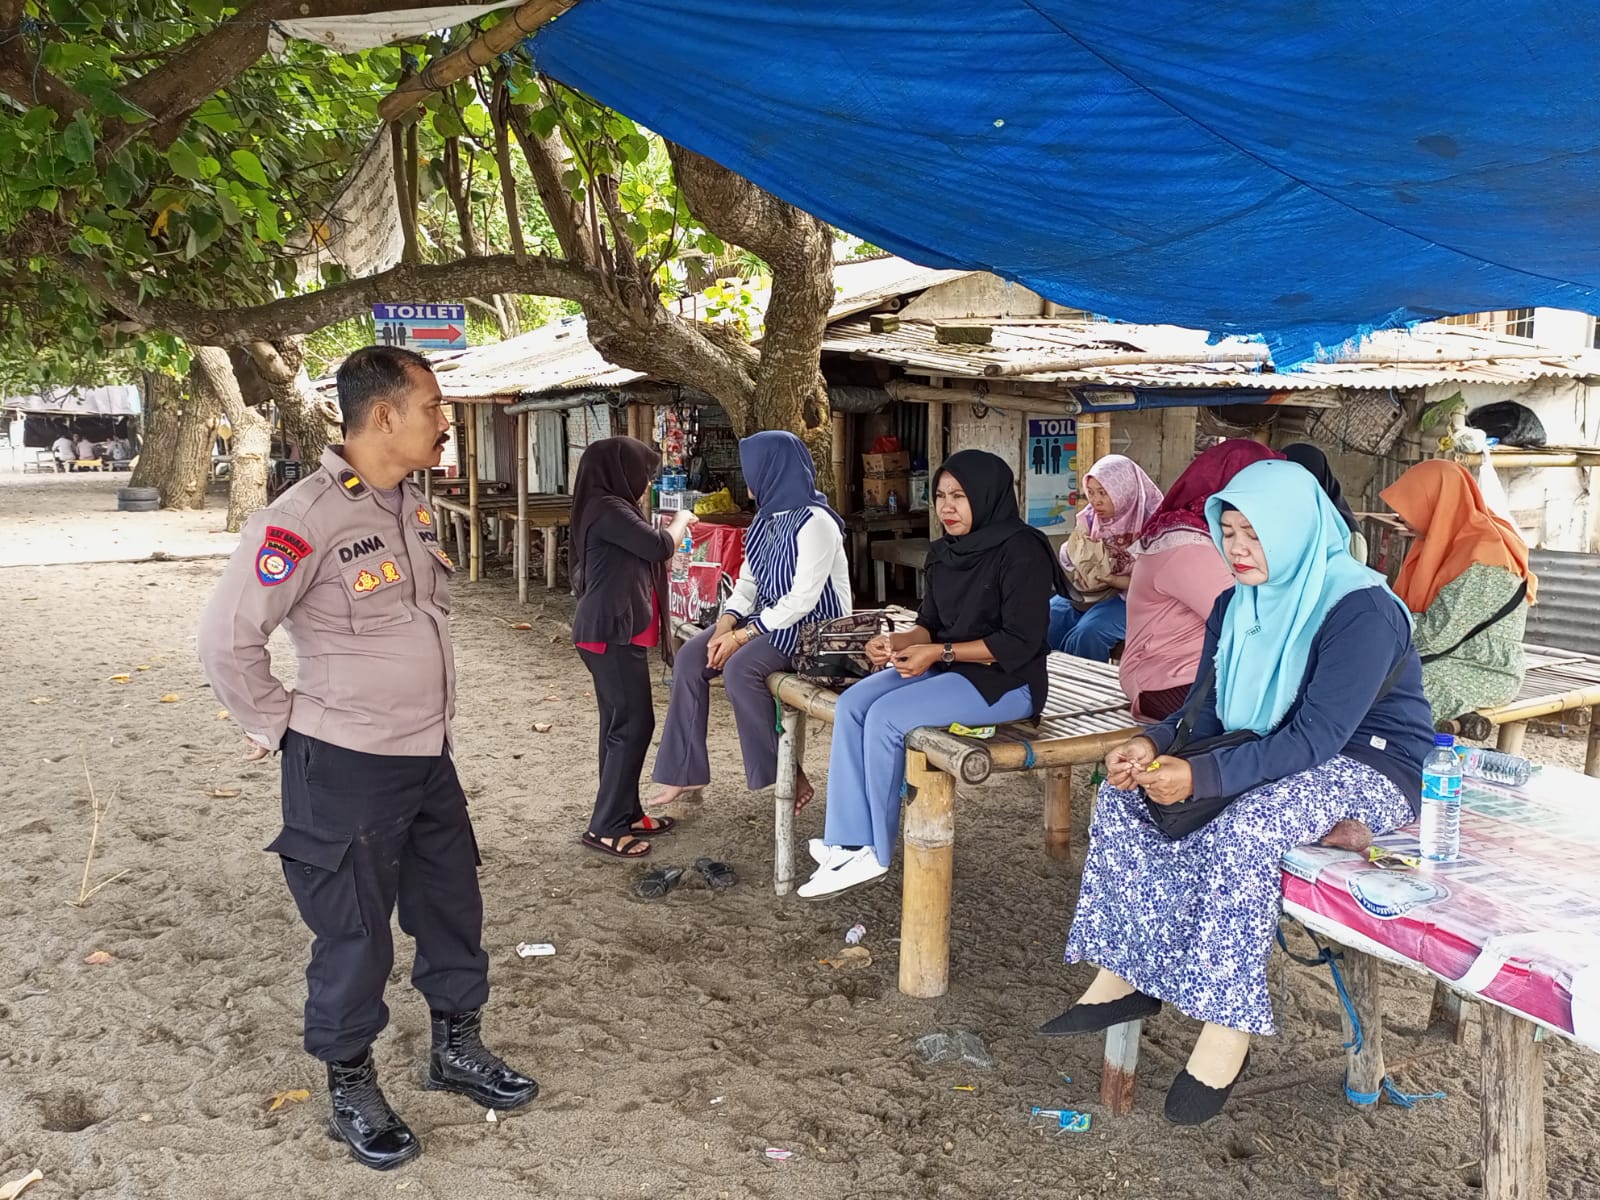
(360, 831)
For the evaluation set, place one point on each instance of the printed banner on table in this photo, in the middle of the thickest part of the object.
(1050, 471)
(1515, 919)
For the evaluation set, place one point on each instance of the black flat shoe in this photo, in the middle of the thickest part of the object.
(1092, 1018)
(1190, 1102)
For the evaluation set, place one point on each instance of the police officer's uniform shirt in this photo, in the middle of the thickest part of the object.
(363, 590)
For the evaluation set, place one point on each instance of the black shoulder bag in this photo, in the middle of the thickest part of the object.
(1179, 820)
(1504, 611)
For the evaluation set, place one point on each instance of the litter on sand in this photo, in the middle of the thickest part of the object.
(1066, 1120)
(777, 1155)
(491, 1116)
(937, 1048)
(12, 1190)
(854, 934)
(535, 949)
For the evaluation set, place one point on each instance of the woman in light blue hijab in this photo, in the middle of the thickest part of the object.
(1310, 652)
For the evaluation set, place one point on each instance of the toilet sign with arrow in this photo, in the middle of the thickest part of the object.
(422, 326)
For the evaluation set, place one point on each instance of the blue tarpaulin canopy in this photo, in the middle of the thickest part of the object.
(1297, 169)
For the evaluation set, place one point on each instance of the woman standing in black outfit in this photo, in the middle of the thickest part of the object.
(619, 561)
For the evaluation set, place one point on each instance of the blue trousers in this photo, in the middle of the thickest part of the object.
(1088, 634)
(867, 765)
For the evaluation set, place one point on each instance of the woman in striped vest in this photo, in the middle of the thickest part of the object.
(794, 575)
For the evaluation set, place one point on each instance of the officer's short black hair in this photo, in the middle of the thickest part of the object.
(371, 374)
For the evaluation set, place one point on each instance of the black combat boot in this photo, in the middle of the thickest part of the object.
(459, 1062)
(363, 1120)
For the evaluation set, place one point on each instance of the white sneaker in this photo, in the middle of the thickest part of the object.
(844, 871)
(821, 852)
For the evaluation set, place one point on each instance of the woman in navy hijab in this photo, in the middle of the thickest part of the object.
(794, 575)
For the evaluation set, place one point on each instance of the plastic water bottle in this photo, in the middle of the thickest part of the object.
(894, 504)
(1510, 770)
(1441, 801)
(680, 560)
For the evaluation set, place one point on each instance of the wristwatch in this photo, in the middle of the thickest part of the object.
(949, 655)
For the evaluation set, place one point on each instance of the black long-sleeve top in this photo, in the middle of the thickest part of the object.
(1003, 601)
(620, 561)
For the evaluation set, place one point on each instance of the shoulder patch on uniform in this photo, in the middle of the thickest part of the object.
(351, 483)
(281, 551)
(424, 517)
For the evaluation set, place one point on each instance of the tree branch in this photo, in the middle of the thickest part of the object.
(535, 276)
(789, 390)
(210, 61)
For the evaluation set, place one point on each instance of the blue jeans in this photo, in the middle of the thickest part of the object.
(867, 765)
(1088, 634)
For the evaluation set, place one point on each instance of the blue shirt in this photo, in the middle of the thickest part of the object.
(1360, 640)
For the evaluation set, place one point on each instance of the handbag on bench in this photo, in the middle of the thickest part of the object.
(833, 653)
(1177, 821)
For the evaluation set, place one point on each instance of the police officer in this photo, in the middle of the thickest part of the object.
(348, 561)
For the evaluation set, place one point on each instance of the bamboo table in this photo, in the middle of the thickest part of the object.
(1086, 716)
(546, 512)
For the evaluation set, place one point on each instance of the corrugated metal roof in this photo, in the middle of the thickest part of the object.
(1569, 592)
(1421, 358)
(554, 356)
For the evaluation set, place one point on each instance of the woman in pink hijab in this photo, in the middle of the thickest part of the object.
(1098, 560)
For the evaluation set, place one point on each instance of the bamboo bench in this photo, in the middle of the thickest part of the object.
(1085, 716)
(1557, 681)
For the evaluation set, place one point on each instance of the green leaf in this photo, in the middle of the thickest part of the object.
(47, 200)
(267, 228)
(214, 115)
(78, 140)
(184, 161)
(544, 120)
(635, 148)
(249, 167)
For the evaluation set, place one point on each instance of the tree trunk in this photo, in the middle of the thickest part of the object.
(309, 422)
(175, 448)
(252, 435)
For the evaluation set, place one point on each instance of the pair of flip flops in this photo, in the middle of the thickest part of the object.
(626, 845)
(654, 885)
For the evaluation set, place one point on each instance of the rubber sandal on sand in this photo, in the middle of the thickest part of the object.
(656, 884)
(649, 827)
(622, 846)
(718, 875)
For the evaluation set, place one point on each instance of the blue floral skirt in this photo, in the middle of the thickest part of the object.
(1191, 922)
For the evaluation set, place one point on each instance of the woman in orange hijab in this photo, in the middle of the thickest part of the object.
(1467, 580)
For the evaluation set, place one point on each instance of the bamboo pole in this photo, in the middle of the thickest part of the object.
(1118, 358)
(1542, 706)
(1510, 739)
(1517, 460)
(925, 894)
(522, 508)
(1364, 1070)
(1591, 757)
(936, 409)
(791, 757)
(1057, 752)
(841, 424)
(1058, 813)
(479, 52)
(1512, 1108)
(1120, 1067)
(968, 761)
(980, 393)
(475, 560)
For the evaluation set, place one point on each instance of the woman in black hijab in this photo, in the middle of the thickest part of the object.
(976, 655)
(618, 562)
(1315, 461)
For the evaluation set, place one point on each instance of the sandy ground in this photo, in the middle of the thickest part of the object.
(675, 1041)
(62, 519)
